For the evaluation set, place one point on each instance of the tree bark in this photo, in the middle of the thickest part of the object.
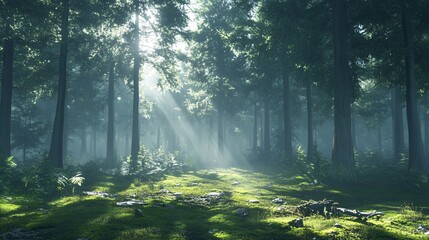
(83, 142)
(267, 142)
(380, 141)
(342, 153)
(426, 121)
(255, 129)
(398, 124)
(416, 153)
(220, 132)
(6, 98)
(286, 114)
(310, 140)
(110, 143)
(135, 137)
(56, 150)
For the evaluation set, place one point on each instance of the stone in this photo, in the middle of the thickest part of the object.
(236, 183)
(337, 225)
(242, 212)
(253, 201)
(194, 184)
(298, 223)
(278, 201)
(177, 194)
(164, 191)
(213, 194)
(99, 194)
(129, 203)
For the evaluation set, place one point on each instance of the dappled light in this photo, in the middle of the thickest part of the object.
(220, 119)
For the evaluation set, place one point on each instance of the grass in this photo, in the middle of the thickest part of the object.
(99, 218)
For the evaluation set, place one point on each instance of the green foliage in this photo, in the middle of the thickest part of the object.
(44, 180)
(7, 172)
(155, 162)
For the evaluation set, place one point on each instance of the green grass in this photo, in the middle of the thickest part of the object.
(99, 218)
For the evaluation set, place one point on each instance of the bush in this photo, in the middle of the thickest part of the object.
(154, 163)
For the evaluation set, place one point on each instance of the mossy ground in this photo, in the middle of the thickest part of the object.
(405, 206)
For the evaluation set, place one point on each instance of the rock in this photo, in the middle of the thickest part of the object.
(212, 173)
(422, 228)
(130, 203)
(164, 191)
(337, 225)
(177, 194)
(253, 201)
(236, 183)
(242, 212)
(213, 194)
(426, 233)
(99, 194)
(298, 223)
(194, 184)
(213, 231)
(278, 201)
(24, 234)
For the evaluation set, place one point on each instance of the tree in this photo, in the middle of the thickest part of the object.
(416, 154)
(342, 153)
(56, 150)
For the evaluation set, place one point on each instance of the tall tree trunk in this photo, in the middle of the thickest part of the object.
(220, 132)
(135, 141)
(6, 98)
(342, 153)
(310, 140)
(83, 142)
(56, 151)
(397, 123)
(255, 129)
(267, 142)
(286, 114)
(426, 121)
(158, 137)
(416, 153)
(380, 141)
(94, 142)
(110, 143)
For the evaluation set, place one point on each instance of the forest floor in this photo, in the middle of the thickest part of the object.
(217, 204)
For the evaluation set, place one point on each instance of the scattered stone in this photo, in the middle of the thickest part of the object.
(130, 203)
(9, 198)
(138, 212)
(253, 201)
(213, 231)
(278, 201)
(298, 223)
(241, 212)
(426, 233)
(177, 194)
(337, 225)
(178, 185)
(422, 229)
(194, 184)
(132, 196)
(213, 194)
(164, 191)
(236, 183)
(99, 194)
(212, 173)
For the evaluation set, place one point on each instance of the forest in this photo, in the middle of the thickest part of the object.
(214, 119)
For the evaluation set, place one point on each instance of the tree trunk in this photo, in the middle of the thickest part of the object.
(6, 99)
(380, 141)
(255, 129)
(416, 153)
(426, 121)
(56, 151)
(342, 153)
(286, 115)
(398, 124)
(310, 140)
(158, 137)
(135, 139)
(83, 142)
(220, 132)
(110, 145)
(94, 142)
(267, 142)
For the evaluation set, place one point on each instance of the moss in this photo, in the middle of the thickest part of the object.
(99, 218)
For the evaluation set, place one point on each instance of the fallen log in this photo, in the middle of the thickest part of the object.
(328, 208)
(360, 215)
